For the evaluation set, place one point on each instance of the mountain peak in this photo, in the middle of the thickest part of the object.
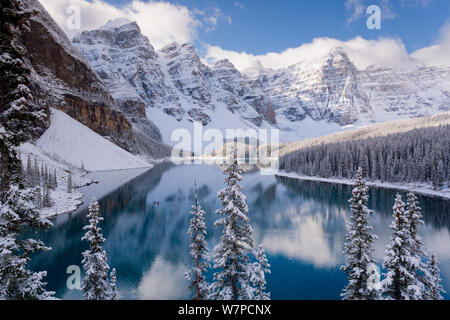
(224, 64)
(338, 53)
(119, 23)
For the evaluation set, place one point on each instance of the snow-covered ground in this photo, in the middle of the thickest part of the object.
(62, 201)
(76, 144)
(67, 146)
(417, 188)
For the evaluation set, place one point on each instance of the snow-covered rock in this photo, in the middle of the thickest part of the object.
(172, 81)
(331, 88)
(304, 100)
(71, 142)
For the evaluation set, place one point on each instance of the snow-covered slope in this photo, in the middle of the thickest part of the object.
(68, 140)
(172, 84)
(331, 88)
(305, 100)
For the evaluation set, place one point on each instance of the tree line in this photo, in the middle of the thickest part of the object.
(420, 155)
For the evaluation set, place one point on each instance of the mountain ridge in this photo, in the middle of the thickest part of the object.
(329, 92)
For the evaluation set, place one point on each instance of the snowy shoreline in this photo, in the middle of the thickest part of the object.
(68, 148)
(418, 189)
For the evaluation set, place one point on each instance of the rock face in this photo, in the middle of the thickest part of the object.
(127, 64)
(329, 90)
(61, 78)
(332, 89)
(173, 80)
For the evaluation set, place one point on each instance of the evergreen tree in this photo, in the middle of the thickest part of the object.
(46, 201)
(417, 267)
(18, 117)
(17, 215)
(231, 260)
(198, 251)
(29, 172)
(55, 179)
(42, 173)
(113, 284)
(69, 183)
(433, 280)
(95, 284)
(258, 275)
(438, 176)
(359, 246)
(399, 278)
(37, 175)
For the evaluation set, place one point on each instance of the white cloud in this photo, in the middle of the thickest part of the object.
(212, 17)
(357, 8)
(239, 5)
(438, 54)
(163, 281)
(306, 241)
(161, 22)
(362, 52)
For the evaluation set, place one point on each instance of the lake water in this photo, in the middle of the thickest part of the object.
(301, 224)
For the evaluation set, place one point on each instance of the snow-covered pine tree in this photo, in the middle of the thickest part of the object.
(42, 173)
(399, 278)
(29, 172)
(69, 183)
(37, 197)
(113, 285)
(438, 176)
(19, 119)
(433, 280)
(37, 175)
(199, 252)
(55, 179)
(230, 257)
(17, 215)
(359, 246)
(258, 275)
(416, 265)
(46, 200)
(95, 284)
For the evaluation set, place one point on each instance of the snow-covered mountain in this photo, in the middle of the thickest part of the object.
(62, 78)
(331, 88)
(172, 87)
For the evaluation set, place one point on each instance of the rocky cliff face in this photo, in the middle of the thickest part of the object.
(61, 78)
(174, 86)
(127, 64)
(332, 89)
(173, 80)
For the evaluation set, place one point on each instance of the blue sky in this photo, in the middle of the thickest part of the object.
(261, 26)
(279, 33)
